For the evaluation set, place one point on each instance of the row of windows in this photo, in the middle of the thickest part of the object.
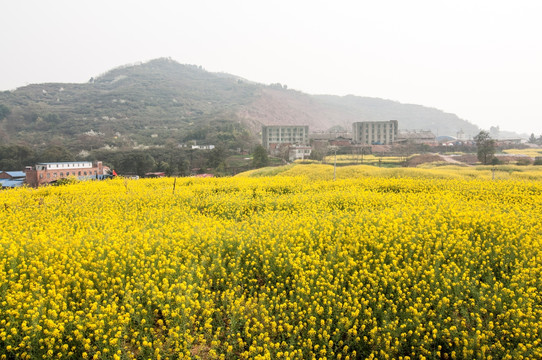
(381, 130)
(287, 136)
(377, 134)
(287, 129)
(294, 133)
(69, 165)
(79, 173)
(295, 138)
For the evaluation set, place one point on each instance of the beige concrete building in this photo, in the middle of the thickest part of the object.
(375, 132)
(275, 135)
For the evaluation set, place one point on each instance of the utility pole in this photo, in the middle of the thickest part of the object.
(334, 149)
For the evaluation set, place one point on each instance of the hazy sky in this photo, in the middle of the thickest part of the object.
(479, 59)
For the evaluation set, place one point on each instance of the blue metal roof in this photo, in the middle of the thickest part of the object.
(11, 183)
(16, 173)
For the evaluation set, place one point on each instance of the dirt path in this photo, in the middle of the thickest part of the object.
(451, 160)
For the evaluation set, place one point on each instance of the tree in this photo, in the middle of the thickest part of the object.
(4, 111)
(52, 118)
(216, 156)
(494, 131)
(532, 139)
(163, 166)
(259, 158)
(221, 170)
(16, 157)
(55, 153)
(485, 147)
(142, 163)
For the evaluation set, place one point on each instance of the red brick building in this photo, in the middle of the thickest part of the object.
(44, 173)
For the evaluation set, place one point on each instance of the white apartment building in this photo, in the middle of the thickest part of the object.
(275, 135)
(375, 132)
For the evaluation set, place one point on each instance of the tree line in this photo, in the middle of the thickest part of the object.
(172, 160)
(535, 140)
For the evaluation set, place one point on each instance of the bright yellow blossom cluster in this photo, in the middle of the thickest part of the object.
(427, 171)
(285, 267)
(532, 152)
(367, 159)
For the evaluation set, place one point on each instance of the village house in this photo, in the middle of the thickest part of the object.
(45, 173)
(299, 152)
(10, 179)
(416, 137)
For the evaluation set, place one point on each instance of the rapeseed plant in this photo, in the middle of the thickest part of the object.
(388, 265)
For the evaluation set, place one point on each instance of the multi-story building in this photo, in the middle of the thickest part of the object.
(44, 173)
(275, 135)
(375, 132)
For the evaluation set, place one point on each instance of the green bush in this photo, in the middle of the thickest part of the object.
(524, 162)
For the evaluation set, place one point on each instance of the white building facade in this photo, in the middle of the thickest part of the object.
(375, 132)
(275, 135)
(299, 152)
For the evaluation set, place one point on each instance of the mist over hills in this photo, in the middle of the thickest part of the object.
(162, 101)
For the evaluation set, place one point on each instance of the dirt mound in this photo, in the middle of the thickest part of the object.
(422, 159)
(469, 159)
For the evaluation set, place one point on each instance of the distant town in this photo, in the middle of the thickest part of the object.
(288, 142)
(365, 137)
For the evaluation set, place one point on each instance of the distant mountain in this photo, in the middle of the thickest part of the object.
(321, 112)
(162, 101)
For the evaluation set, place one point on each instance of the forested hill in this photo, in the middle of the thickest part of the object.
(145, 104)
(164, 102)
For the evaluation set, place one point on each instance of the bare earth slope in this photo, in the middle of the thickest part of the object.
(274, 106)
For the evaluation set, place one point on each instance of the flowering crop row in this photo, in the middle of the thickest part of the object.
(272, 268)
(428, 171)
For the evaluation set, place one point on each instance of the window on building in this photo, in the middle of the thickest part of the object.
(48, 176)
(79, 173)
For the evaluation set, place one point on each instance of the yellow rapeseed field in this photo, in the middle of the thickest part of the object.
(395, 266)
(533, 152)
(363, 159)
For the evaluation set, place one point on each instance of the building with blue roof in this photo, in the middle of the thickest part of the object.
(12, 175)
(6, 183)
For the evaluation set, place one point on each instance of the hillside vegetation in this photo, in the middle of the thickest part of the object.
(147, 104)
(162, 101)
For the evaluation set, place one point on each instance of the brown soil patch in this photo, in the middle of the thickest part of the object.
(422, 159)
